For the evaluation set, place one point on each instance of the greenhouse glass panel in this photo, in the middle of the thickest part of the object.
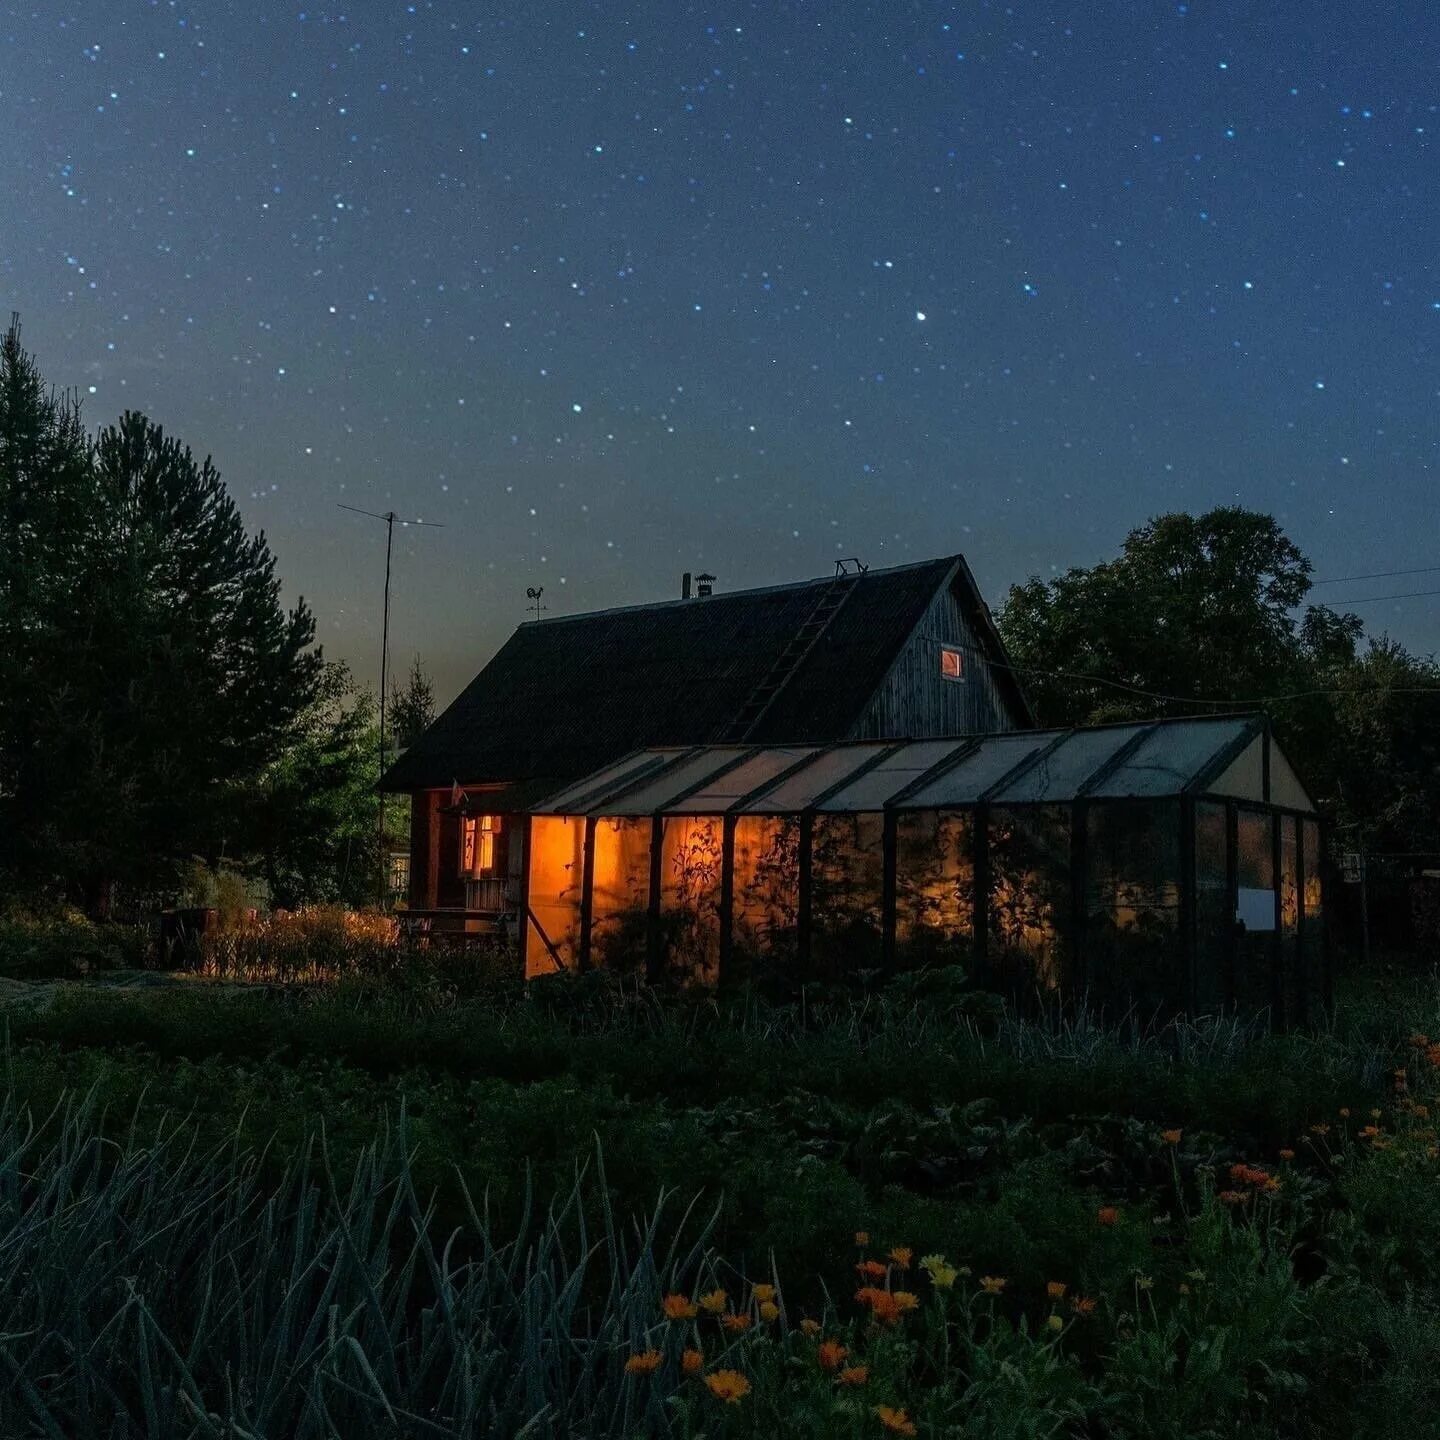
(576, 799)
(722, 792)
(668, 786)
(801, 790)
(871, 790)
(1255, 909)
(1312, 920)
(1058, 775)
(935, 887)
(1132, 907)
(1168, 759)
(1029, 903)
(1292, 990)
(620, 893)
(1214, 914)
(968, 781)
(847, 869)
(1244, 777)
(557, 849)
(690, 862)
(766, 908)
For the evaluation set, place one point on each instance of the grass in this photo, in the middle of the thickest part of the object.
(232, 1137)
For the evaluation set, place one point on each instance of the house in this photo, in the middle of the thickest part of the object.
(863, 654)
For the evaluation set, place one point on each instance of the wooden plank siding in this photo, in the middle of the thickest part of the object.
(916, 701)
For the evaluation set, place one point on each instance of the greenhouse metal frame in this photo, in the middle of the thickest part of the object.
(1173, 865)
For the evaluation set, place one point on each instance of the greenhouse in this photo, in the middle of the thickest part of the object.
(1167, 866)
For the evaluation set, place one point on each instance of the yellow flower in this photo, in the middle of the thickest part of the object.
(943, 1277)
(862, 1237)
(895, 1420)
(692, 1362)
(992, 1284)
(646, 1362)
(901, 1256)
(1144, 1282)
(728, 1385)
(931, 1262)
(854, 1375)
(769, 1311)
(678, 1307)
(763, 1292)
(1055, 1323)
(906, 1300)
(1344, 1112)
(810, 1327)
(715, 1303)
(1056, 1289)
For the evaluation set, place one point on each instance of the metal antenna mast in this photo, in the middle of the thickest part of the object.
(389, 517)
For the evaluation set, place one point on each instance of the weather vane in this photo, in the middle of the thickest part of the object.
(533, 594)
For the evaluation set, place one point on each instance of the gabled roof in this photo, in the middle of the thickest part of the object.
(565, 696)
(1135, 760)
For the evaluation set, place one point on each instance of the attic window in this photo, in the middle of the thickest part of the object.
(952, 663)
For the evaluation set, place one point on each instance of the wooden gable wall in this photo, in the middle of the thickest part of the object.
(917, 701)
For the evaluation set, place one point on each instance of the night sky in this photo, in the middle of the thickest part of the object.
(615, 291)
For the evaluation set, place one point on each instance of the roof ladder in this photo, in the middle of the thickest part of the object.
(789, 660)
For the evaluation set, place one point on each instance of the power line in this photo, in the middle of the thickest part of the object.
(1371, 599)
(1375, 575)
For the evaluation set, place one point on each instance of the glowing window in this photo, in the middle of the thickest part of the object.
(952, 663)
(477, 845)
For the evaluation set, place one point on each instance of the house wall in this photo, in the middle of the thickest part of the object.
(917, 701)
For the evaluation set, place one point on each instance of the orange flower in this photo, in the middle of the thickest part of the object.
(881, 1302)
(735, 1324)
(1233, 1197)
(862, 1237)
(872, 1270)
(678, 1307)
(728, 1385)
(831, 1354)
(1056, 1290)
(992, 1284)
(1432, 1054)
(1171, 1137)
(854, 1375)
(1107, 1215)
(763, 1292)
(895, 1420)
(769, 1311)
(901, 1256)
(1083, 1305)
(645, 1362)
(810, 1327)
(1419, 1042)
(715, 1303)
(1321, 1129)
(1344, 1112)
(1287, 1153)
(1369, 1132)
(692, 1362)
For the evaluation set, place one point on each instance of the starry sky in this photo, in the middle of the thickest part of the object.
(616, 291)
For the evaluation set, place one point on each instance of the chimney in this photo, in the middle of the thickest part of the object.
(704, 586)
(685, 586)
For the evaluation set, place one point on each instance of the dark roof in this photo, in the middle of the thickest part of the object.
(566, 696)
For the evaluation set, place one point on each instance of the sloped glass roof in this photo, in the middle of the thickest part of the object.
(1020, 767)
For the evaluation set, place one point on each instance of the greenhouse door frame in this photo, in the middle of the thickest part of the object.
(1310, 988)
